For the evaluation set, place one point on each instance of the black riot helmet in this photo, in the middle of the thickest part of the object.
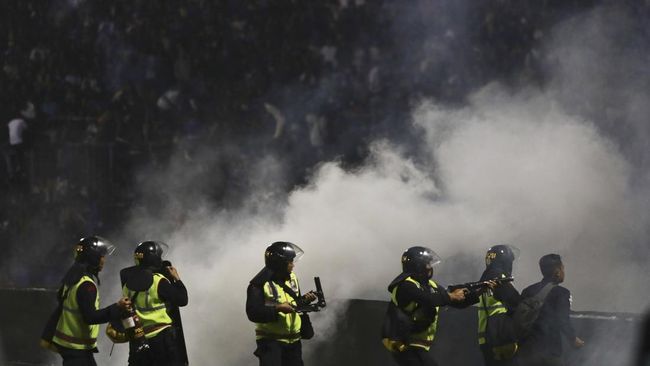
(419, 261)
(279, 254)
(91, 249)
(501, 256)
(149, 254)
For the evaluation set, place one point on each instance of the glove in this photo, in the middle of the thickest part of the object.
(115, 336)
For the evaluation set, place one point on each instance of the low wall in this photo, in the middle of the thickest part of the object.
(610, 337)
(23, 313)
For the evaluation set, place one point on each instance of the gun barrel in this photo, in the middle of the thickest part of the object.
(479, 284)
(320, 293)
(503, 280)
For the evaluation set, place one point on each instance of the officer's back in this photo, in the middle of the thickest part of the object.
(552, 320)
(544, 344)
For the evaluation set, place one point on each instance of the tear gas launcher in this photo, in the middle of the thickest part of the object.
(480, 285)
(305, 307)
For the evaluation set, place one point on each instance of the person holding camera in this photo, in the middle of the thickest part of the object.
(272, 298)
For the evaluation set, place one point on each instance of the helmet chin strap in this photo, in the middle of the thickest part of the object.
(282, 275)
(94, 270)
(422, 276)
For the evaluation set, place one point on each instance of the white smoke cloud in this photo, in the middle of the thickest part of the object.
(522, 171)
(598, 65)
(524, 167)
(504, 169)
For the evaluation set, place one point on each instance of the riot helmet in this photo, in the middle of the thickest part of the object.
(419, 261)
(279, 254)
(502, 256)
(149, 254)
(91, 249)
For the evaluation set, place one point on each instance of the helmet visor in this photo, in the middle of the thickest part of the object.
(164, 248)
(297, 250)
(515, 251)
(430, 257)
(104, 246)
(110, 249)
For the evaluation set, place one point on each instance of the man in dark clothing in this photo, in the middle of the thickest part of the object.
(74, 326)
(543, 347)
(643, 355)
(416, 299)
(495, 332)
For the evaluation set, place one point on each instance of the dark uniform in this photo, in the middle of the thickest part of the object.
(496, 307)
(417, 297)
(643, 355)
(544, 344)
(553, 326)
(74, 326)
(277, 334)
(152, 294)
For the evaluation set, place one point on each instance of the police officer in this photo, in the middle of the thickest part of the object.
(498, 343)
(419, 297)
(272, 297)
(151, 292)
(73, 328)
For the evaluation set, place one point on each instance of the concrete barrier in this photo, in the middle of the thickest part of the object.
(610, 337)
(23, 313)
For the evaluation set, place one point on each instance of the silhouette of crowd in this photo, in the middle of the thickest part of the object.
(93, 92)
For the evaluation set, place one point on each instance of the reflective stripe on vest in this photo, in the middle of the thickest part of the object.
(150, 308)
(286, 328)
(71, 330)
(425, 338)
(488, 306)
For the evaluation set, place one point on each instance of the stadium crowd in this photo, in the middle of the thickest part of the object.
(93, 92)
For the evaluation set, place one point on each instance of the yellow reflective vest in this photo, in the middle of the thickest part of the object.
(71, 330)
(286, 328)
(489, 306)
(425, 338)
(150, 308)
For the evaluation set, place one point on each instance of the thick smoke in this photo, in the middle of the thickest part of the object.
(534, 167)
(598, 62)
(518, 169)
(506, 168)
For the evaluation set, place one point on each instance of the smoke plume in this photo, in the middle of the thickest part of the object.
(540, 168)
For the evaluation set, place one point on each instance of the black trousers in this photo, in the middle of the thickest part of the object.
(540, 359)
(163, 351)
(276, 353)
(535, 355)
(488, 358)
(16, 164)
(414, 356)
(78, 358)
